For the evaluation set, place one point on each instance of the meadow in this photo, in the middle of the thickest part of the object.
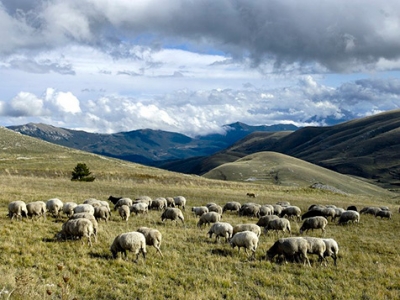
(34, 265)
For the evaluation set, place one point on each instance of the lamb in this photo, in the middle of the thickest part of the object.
(37, 208)
(349, 216)
(123, 201)
(247, 227)
(290, 247)
(208, 218)
(246, 239)
(124, 212)
(102, 213)
(280, 224)
(221, 229)
(314, 223)
(78, 228)
(217, 208)
(199, 210)
(140, 207)
(231, 206)
(384, 214)
(173, 214)
(54, 206)
(316, 246)
(291, 211)
(17, 209)
(88, 216)
(332, 249)
(159, 203)
(180, 201)
(153, 237)
(263, 221)
(131, 241)
(68, 208)
(84, 208)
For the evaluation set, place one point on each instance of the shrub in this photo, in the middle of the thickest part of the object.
(82, 173)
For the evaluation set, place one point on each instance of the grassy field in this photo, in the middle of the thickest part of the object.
(36, 266)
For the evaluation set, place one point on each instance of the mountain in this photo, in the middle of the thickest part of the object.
(149, 147)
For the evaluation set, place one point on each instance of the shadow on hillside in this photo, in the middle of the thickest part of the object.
(221, 252)
(105, 256)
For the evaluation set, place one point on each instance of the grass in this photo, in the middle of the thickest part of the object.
(35, 265)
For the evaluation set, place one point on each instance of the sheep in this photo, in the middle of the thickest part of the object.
(283, 203)
(17, 209)
(140, 207)
(37, 208)
(247, 227)
(314, 223)
(170, 202)
(349, 216)
(312, 213)
(113, 199)
(92, 201)
(316, 246)
(216, 208)
(145, 199)
(153, 237)
(250, 209)
(291, 211)
(384, 214)
(208, 218)
(210, 204)
(123, 201)
(279, 224)
(78, 228)
(159, 203)
(54, 206)
(199, 210)
(124, 212)
(338, 213)
(371, 210)
(231, 206)
(246, 239)
(290, 247)
(102, 213)
(84, 208)
(266, 210)
(277, 209)
(173, 214)
(131, 241)
(68, 208)
(88, 216)
(352, 207)
(221, 229)
(332, 249)
(180, 201)
(264, 220)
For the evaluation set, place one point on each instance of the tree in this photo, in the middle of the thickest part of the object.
(82, 173)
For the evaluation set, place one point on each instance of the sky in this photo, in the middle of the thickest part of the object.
(192, 66)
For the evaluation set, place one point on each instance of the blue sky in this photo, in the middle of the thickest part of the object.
(192, 66)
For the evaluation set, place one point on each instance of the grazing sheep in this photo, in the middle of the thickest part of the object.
(173, 214)
(84, 208)
(54, 206)
(180, 201)
(231, 206)
(338, 212)
(145, 199)
(124, 212)
(290, 247)
(251, 195)
(221, 229)
(246, 239)
(88, 216)
(349, 216)
(266, 210)
(123, 201)
(210, 204)
(102, 213)
(199, 210)
(92, 201)
(37, 208)
(277, 209)
(114, 200)
(78, 228)
(290, 212)
(352, 207)
(159, 203)
(384, 214)
(216, 208)
(68, 208)
(140, 207)
(250, 209)
(312, 213)
(371, 210)
(170, 202)
(247, 227)
(17, 209)
(279, 224)
(153, 237)
(208, 218)
(314, 223)
(263, 221)
(130, 241)
(332, 249)
(283, 203)
(316, 246)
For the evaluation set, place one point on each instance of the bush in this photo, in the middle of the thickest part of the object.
(82, 173)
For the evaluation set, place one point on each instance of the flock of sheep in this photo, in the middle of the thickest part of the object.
(83, 222)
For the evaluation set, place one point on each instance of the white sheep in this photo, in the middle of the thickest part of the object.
(291, 212)
(199, 210)
(130, 241)
(170, 202)
(68, 208)
(145, 199)
(77, 228)
(123, 201)
(216, 208)
(291, 247)
(277, 209)
(208, 218)
(247, 227)
(280, 224)
(89, 217)
(266, 210)
(250, 209)
(102, 213)
(173, 214)
(221, 229)
(180, 201)
(17, 209)
(232, 206)
(159, 203)
(316, 246)
(54, 206)
(153, 237)
(264, 220)
(314, 223)
(332, 249)
(84, 208)
(349, 216)
(246, 239)
(37, 208)
(124, 212)
(140, 207)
